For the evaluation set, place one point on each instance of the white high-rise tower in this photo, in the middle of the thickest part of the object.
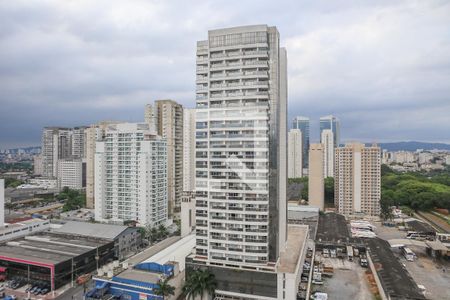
(241, 146)
(295, 163)
(131, 175)
(327, 138)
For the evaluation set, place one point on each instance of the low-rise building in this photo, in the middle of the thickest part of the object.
(23, 228)
(53, 258)
(127, 240)
(139, 276)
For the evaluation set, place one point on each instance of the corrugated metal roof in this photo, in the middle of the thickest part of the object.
(105, 231)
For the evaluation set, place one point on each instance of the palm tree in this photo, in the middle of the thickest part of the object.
(199, 282)
(164, 288)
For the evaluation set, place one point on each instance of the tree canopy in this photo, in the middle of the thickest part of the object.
(416, 190)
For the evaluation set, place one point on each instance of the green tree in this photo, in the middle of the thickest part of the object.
(386, 210)
(329, 190)
(13, 183)
(162, 232)
(164, 289)
(198, 283)
(9, 206)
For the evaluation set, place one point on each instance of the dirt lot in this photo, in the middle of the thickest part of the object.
(434, 275)
(348, 281)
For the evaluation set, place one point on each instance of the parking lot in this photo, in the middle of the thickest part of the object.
(432, 274)
(349, 280)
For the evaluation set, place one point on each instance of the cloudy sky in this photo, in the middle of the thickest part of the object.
(383, 67)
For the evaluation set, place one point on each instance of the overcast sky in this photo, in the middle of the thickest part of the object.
(382, 67)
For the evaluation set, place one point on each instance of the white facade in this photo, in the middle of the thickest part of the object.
(327, 138)
(425, 157)
(24, 228)
(358, 179)
(93, 134)
(189, 149)
(241, 147)
(402, 157)
(71, 174)
(295, 149)
(447, 160)
(131, 175)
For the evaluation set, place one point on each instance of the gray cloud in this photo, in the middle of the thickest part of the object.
(383, 67)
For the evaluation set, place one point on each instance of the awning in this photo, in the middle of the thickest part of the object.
(436, 245)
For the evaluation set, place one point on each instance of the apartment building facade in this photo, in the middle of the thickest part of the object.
(239, 141)
(295, 149)
(189, 149)
(358, 179)
(131, 175)
(165, 117)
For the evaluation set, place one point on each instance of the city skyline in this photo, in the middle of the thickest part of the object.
(70, 74)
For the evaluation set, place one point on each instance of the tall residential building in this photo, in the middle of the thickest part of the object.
(93, 134)
(241, 155)
(295, 149)
(71, 174)
(187, 213)
(131, 175)
(358, 179)
(241, 165)
(332, 123)
(189, 149)
(167, 117)
(302, 123)
(38, 167)
(327, 138)
(78, 142)
(315, 177)
(56, 144)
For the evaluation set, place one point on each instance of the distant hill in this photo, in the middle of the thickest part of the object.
(413, 146)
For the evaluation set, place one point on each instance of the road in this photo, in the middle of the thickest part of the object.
(75, 293)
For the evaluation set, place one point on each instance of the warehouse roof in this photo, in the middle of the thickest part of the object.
(48, 248)
(105, 231)
(395, 279)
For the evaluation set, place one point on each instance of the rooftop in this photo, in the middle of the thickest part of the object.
(395, 279)
(142, 276)
(296, 239)
(420, 226)
(49, 248)
(91, 229)
(332, 228)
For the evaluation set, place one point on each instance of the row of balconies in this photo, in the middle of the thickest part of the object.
(239, 94)
(239, 84)
(238, 53)
(242, 64)
(239, 74)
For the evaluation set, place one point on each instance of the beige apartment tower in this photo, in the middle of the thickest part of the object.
(358, 179)
(166, 117)
(315, 182)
